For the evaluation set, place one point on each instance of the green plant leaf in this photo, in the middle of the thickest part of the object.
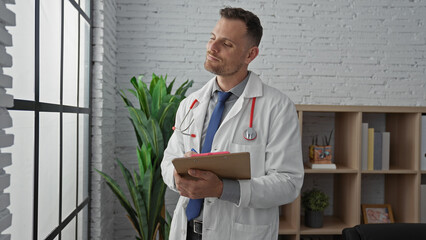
(137, 116)
(144, 158)
(144, 133)
(154, 81)
(157, 136)
(115, 188)
(133, 92)
(167, 120)
(146, 189)
(159, 188)
(138, 138)
(143, 95)
(141, 160)
(167, 114)
(159, 92)
(138, 202)
(125, 100)
(144, 217)
(170, 87)
(184, 87)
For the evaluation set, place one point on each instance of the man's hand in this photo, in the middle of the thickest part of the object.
(201, 184)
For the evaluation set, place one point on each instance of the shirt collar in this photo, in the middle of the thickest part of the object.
(237, 90)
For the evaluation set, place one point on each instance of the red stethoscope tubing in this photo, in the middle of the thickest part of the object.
(252, 111)
(193, 103)
(253, 103)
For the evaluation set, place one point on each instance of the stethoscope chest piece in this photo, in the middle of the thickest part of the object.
(250, 134)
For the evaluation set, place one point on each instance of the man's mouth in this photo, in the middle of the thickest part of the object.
(210, 57)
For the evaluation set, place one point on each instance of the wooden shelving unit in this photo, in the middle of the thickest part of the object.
(402, 181)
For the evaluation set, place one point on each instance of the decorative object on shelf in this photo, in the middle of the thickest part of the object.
(321, 154)
(314, 202)
(152, 122)
(377, 213)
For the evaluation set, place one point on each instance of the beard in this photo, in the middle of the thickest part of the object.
(223, 69)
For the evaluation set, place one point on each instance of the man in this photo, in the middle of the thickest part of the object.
(235, 209)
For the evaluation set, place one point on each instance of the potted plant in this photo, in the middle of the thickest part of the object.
(314, 202)
(152, 122)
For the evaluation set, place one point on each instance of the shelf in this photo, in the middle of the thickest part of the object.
(332, 226)
(286, 227)
(400, 171)
(348, 186)
(375, 109)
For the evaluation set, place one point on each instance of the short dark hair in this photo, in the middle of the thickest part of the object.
(254, 28)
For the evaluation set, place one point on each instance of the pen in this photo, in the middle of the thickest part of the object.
(192, 149)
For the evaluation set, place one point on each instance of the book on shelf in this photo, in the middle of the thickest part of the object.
(385, 150)
(370, 156)
(364, 146)
(375, 148)
(423, 142)
(377, 162)
(321, 165)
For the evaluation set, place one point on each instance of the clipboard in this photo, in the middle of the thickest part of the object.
(228, 165)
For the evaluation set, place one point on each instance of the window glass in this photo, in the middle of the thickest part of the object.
(22, 50)
(84, 63)
(83, 157)
(69, 164)
(21, 174)
(82, 224)
(70, 55)
(68, 233)
(85, 5)
(48, 201)
(50, 51)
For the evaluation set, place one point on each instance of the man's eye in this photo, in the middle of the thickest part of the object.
(227, 44)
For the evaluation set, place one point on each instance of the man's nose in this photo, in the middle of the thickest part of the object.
(213, 46)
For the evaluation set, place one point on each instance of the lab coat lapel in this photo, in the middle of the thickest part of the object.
(199, 113)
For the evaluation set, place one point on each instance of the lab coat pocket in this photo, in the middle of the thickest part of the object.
(244, 231)
(257, 157)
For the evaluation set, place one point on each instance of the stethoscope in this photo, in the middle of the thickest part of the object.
(249, 134)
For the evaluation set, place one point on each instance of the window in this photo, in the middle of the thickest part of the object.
(49, 188)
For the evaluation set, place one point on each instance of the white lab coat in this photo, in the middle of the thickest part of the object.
(275, 158)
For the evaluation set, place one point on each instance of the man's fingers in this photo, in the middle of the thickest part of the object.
(188, 154)
(200, 174)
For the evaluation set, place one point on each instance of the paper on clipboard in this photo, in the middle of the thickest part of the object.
(230, 165)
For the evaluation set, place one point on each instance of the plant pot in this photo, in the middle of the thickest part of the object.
(314, 219)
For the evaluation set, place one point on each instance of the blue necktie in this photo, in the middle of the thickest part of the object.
(194, 206)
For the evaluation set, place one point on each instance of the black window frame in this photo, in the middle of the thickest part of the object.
(36, 106)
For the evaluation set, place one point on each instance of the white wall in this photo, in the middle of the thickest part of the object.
(316, 51)
(7, 18)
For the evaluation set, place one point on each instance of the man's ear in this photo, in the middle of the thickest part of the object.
(252, 54)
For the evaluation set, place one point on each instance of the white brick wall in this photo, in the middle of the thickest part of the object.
(316, 51)
(103, 118)
(7, 18)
